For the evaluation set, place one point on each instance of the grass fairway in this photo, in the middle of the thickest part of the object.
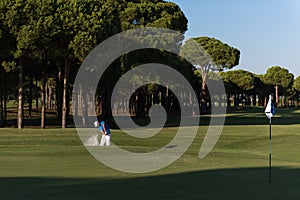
(53, 164)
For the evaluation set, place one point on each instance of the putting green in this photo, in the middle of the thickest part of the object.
(53, 164)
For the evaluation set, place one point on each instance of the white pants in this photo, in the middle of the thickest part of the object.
(105, 139)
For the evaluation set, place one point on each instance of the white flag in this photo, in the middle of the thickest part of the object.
(270, 110)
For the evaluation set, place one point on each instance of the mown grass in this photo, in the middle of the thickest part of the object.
(53, 164)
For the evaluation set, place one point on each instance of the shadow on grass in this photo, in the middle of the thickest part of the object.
(256, 116)
(236, 116)
(213, 184)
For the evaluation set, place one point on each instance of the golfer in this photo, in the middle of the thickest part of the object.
(105, 132)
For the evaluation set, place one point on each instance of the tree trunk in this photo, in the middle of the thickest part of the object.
(203, 100)
(236, 100)
(106, 107)
(36, 95)
(140, 103)
(59, 94)
(228, 100)
(47, 95)
(1, 111)
(254, 100)
(30, 96)
(283, 101)
(5, 108)
(276, 95)
(167, 99)
(43, 99)
(50, 100)
(265, 101)
(75, 103)
(65, 90)
(98, 104)
(84, 105)
(20, 98)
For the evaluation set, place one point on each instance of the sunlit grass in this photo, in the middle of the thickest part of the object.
(53, 163)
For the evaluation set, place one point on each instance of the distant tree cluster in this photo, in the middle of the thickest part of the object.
(246, 88)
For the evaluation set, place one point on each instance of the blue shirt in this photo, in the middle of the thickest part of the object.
(101, 128)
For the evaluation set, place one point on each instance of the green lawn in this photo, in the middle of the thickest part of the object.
(53, 164)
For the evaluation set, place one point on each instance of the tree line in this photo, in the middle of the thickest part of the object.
(246, 88)
(43, 43)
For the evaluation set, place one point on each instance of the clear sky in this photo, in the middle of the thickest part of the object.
(267, 32)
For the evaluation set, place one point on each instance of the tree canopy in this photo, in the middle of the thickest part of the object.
(45, 39)
(219, 56)
(209, 54)
(43, 43)
(242, 79)
(297, 83)
(278, 77)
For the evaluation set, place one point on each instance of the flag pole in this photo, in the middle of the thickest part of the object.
(270, 111)
(270, 153)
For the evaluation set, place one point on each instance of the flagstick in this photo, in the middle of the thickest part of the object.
(270, 153)
(270, 111)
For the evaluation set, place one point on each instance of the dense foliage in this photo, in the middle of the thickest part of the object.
(43, 43)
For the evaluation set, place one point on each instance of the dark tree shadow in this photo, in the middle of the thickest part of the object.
(239, 184)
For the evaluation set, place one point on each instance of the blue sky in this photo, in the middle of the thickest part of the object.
(267, 32)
